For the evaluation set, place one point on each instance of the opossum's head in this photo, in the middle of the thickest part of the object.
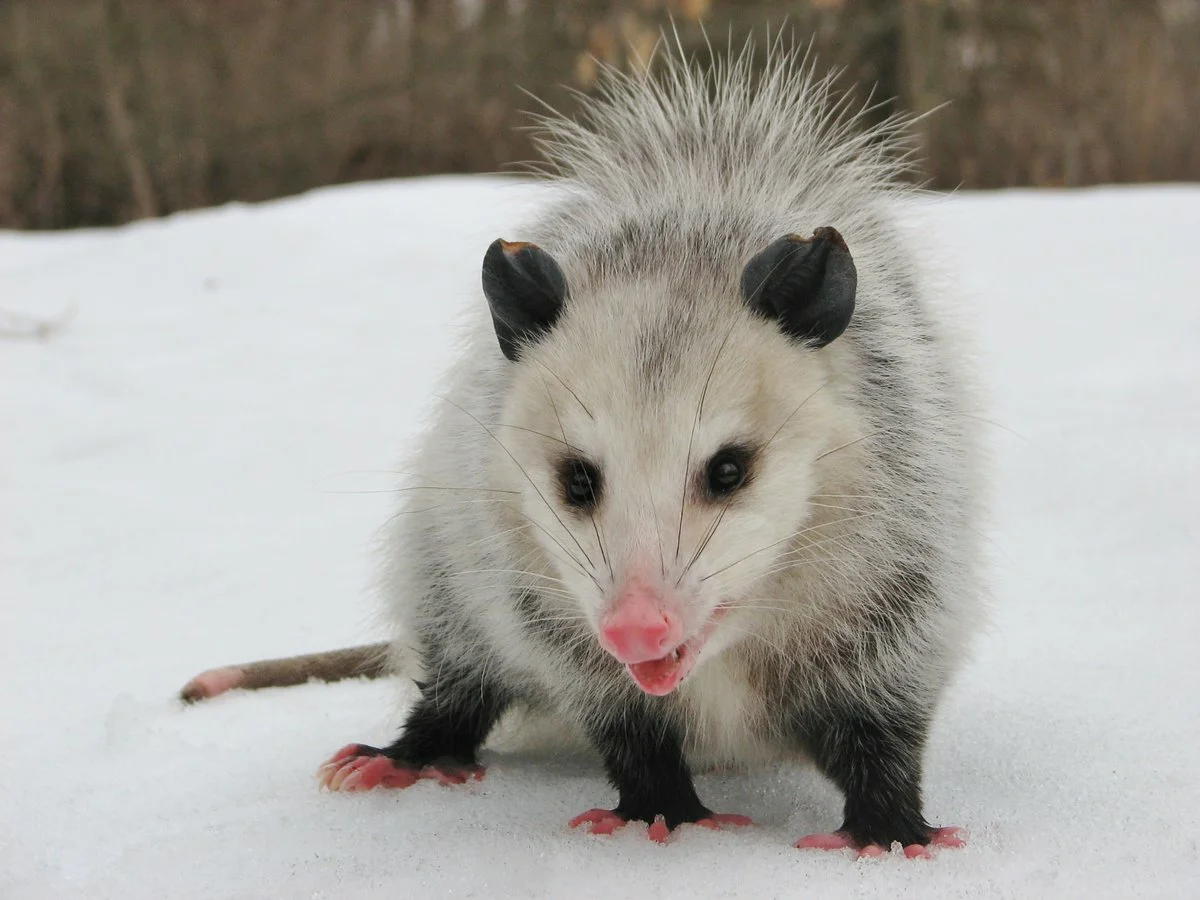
(663, 434)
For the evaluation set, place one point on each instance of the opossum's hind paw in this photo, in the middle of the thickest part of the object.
(606, 821)
(358, 767)
(213, 682)
(840, 840)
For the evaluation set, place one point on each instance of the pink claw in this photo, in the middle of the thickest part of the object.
(833, 840)
(950, 836)
(605, 821)
(347, 752)
(358, 768)
(364, 774)
(837, 840)
(452, 773)
(716, 820)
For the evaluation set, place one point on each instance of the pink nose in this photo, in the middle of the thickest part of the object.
(637, 632)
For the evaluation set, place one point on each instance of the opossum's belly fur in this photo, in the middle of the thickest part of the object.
(726, 720)
(724, 727)
(721, 732)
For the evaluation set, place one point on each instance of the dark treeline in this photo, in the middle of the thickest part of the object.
(112, 110)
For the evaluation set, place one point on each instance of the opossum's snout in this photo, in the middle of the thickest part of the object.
(644, 629)
(641, 625)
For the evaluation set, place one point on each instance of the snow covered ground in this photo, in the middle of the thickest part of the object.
(193, 469)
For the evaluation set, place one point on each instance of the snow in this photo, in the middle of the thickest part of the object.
(193, 470)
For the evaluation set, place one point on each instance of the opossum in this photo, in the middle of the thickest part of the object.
(704, 483)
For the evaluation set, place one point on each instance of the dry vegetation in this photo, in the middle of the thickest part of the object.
(112, 110)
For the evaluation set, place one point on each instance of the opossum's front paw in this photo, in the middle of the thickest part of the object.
(840, 840)
(606, 821)
(358, 767)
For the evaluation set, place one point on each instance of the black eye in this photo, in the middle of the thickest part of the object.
(726, 472)
(581, 483)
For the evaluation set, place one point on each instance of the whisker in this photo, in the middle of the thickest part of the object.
(713, 529)
(662, 562)
(878, 498)
(423, 509)
(792, 415)
(541, 434)
(853, 509)
(568, 389)
(687, 466)
(756, 635)
(420, 487)
(704, 541)
(789, 537)
(897, 427)
(591, 510)
(536, 489)
(575, 563)
(497, 535)
(527, 573)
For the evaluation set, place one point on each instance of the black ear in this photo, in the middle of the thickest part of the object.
(807, 284)
(525, 290)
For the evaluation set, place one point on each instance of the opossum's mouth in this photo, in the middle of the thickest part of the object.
(659, 677)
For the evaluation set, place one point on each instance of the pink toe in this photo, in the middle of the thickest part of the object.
(834, 840)
(949, 837)
(348, 752)
(599, 821)
(917, 851)
(338, 773)
(718, 820)
(329, 769)
(453, 774)
(399, 777)
(369, 774)
(732, 819)
(872, 850)
(591, 816)
(658, 830)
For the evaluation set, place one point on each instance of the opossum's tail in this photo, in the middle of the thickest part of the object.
(367, 661)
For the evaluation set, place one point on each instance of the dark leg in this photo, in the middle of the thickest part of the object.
(449, 722)
(441, 736)
(878, 767)
(876, 761)
(644, 760)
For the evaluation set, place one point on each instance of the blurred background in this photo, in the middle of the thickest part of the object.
(115, 110)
